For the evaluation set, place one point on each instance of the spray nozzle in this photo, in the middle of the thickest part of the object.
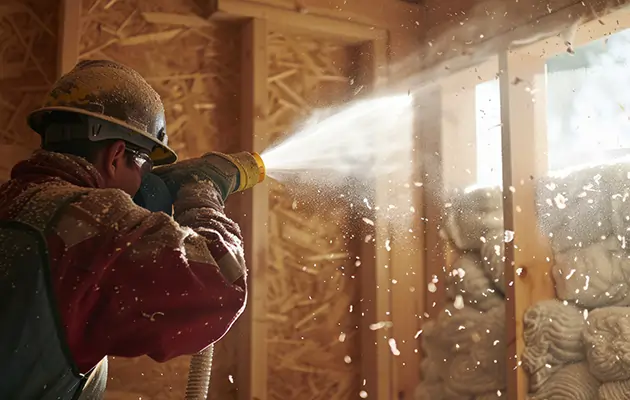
(251, 169)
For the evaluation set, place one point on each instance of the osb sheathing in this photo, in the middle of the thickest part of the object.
(194, 65)
(312, 293)
(28, 54)
(190, 61)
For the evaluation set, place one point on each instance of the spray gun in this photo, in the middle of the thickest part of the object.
(155, 195)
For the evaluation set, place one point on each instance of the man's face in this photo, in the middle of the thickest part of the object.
(123, 168)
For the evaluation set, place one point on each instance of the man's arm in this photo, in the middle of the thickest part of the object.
(130, 282)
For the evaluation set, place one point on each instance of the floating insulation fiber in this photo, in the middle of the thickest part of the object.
(594, 276)
(471, 214)
(553, 338)
(607, 338)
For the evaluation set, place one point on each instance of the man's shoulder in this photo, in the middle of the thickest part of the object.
(58, 200)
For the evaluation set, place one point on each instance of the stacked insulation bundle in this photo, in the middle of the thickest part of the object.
(578, 346)
(464, 347)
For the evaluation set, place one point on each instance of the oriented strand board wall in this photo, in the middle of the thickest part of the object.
(189, 61)
(195, 68)
(312, 294)
(28, 53)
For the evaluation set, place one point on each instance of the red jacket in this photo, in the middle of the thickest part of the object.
(129, 282)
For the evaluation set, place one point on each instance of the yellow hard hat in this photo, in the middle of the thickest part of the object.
(115, 93)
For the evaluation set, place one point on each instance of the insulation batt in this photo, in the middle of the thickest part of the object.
(498, 395)
(618, 390)
(468, 280)
(619, 178)
(553, 338)
(594, 276)
(492, 253)
(571, 382)
(471, 214)
(582, 206)
(607, 338)
(437, 391)
(469, 350)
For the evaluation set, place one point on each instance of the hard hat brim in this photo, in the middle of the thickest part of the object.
(161, 154)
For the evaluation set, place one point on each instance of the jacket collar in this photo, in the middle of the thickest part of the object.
(45, 165)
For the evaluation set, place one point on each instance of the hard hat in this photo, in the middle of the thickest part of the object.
(109, 91)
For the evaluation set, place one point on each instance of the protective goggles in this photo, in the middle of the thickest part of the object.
(142, 160)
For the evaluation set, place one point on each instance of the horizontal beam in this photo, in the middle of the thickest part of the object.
(524, 38)
(294, 21)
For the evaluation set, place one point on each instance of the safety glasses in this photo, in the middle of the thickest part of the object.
(142, 160)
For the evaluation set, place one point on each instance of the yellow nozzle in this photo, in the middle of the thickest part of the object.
(251, 169)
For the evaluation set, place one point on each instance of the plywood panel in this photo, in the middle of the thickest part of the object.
(28, 47)
(193, 65)
(313, 294)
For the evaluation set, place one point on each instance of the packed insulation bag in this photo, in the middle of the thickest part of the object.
(468, 349)
(468, 281)
(607, 343)
(595, 275)
(553, 338)
(574, 206)
(437, 391)
(470, 214)
(615, 390)
(619, 178)
(570, 382)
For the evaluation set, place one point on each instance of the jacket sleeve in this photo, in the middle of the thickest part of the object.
(133, 283)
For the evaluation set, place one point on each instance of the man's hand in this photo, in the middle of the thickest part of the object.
(214, 167)
(154, 195)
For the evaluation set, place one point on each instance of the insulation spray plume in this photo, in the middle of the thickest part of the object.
(360, 140)
(252, 171)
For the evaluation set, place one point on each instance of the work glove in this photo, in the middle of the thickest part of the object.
(218, 168)
(154, 195)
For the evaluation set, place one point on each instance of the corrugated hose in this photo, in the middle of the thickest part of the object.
(251, 171)
(199, 375)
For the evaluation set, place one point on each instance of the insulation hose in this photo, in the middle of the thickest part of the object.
(199, 375)
(252, 171)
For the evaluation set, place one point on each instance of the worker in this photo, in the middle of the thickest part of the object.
(84, 271)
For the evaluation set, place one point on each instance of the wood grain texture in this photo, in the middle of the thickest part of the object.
(313, 308)
(28, 52)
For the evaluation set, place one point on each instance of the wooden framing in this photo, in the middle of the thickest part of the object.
(379, 372)
(447, 132)
(69, 35)
(292, 21)
(527, 257)
(252, 351)
(377, 359)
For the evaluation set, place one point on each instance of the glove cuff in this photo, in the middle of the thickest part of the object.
(251, 169)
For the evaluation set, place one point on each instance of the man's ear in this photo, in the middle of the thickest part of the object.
(114, 157)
